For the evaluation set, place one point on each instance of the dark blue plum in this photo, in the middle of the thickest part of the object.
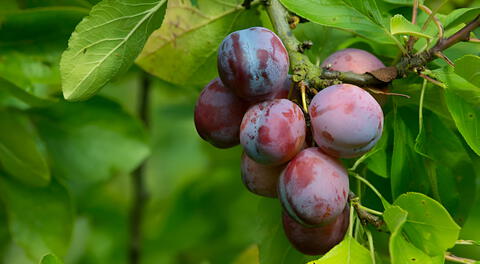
(253, 62)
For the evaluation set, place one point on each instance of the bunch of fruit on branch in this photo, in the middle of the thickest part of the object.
(253, 103)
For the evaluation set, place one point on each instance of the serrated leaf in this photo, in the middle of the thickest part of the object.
(401, 251)
(20, 155)
(360, 17)
(428, 226)
(39, 219)
(106, 43)
(90, 141)
(400, 25)
(51, 259)
(349, 251)
(184, 49)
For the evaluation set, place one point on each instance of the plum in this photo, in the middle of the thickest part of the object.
(357, 61)
(253, 62)
(352, 60)
(273, 132)
(260, 179)
(218, 115)
(313, 188)
(316, 240)
(346, 120)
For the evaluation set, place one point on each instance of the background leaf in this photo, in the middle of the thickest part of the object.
(39, 230)
(51, 259)
(20, 154)
(184, 49)
(89, 142)
(105, 44)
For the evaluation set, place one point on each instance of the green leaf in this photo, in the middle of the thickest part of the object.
(349, 251)
(429, 226)
(460, 86)
(51, 259)
(400, 25)
(408, 172)
(402, 2)
(39, 219)
(184, 49)
(466, 117)
(34, 69)
(467, 68)
(461, 15)
(90, 141)
(20, 155)
(106, 43)
(401, 251)
(360, 17)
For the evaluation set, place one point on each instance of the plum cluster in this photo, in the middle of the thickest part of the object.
(248, 104)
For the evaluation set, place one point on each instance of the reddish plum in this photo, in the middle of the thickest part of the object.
(316, 240)
(253, 62)
(218, 115)
(313, 188)
(273, 132)
(346, 120)
(352, 60)
(259, 178)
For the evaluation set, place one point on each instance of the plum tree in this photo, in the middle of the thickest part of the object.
(316, 240)
(218, 115)
(253, 62)
(259, 178)
(346, 120)
(356, 61)
(313, 188)
(273, 132)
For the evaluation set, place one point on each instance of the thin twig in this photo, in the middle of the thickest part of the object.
(140, 195)
(364, 216)
(431, 15)
(450, 257)
(412, 39)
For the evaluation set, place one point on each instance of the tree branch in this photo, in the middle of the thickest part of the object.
(304, 70)
(140, 195)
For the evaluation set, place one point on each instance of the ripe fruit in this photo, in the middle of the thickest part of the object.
(253, 62)
(218, 114)
(316, 240)
(346, 120)
(313, 188)
(357, 61)
(260, 179)
(273, 132)
(353, 60)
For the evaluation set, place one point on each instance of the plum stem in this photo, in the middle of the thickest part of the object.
(364, 216)
(304, 70)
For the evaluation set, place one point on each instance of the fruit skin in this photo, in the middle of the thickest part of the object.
(357, 61)
(353, 60)
(260, 179)
(316, 240)
(313, 188)
(218, 115)
(346, 120)
(253, 62)
(273, 132)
